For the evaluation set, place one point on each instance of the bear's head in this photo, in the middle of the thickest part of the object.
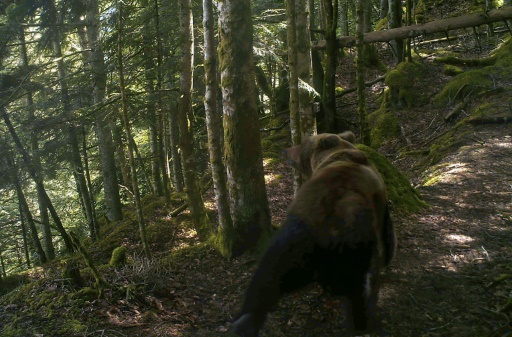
(319, 150)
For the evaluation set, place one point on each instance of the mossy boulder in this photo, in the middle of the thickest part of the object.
(479, 80)
(405, 82)
(118, 258)
(404, 198)
(384, 125)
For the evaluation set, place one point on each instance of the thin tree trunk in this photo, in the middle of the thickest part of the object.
(34, 142)
(127, 129)
(316, 58)
(214, 121)
(151, 103)
(395, 21)
(175, 153)
(329, 122)
(75, 159)
(198, 213)
(304, 69)
(293, 80)
(160, 107)
(25, 211)
(32, 170)
(360, 72)
(243, 154)
(344, 18)
(121, 157)
(103, 121)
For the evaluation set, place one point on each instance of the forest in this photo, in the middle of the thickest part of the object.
(145, 160)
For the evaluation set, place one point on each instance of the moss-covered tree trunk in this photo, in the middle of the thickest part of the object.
(304, 70)
(243, 154)
(214, 122)
(395, 21)
(199, 218)
(128, 133)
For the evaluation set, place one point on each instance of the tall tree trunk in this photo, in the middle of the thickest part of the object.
(34, 144)
(103, 121)
(177, 168)
(316, 55)
(293, 80)
(344, 18)
(160, 107)
(121, 157)
(361, 6)
(304, 70)
(75, 159)
(395, 21)
(243, 154)
(151, 102)
(329, 122)
(127, 129)
(199, 218)
(25, 210)
(35, 175)
(214, 122)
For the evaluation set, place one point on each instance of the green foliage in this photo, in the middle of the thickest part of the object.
(403, 196)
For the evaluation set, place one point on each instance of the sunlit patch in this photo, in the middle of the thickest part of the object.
(460, 238)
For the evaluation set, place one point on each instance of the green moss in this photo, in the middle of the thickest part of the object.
(118, 258)
(72, 326)
(404, 84)
(384, 125)
(403, 196)
(476, 81)
(469, 83)
(11, 282)
(451, 70)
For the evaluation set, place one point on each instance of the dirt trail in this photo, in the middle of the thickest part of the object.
(439, 284)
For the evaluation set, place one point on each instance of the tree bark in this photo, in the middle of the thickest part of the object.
(214, 120)
(25, 210)
(243, 154)
(35, 175)
(199, 218)
(127, 129)
(304, 69)
(34, 145)
(328, 122)
(103, 120)
(361, 7)
(443, 25)
(293, 80)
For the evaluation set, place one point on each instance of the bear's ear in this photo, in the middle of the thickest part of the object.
(292, 155)
(328, 142)
(348, 136)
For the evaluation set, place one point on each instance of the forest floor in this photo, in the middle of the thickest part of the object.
(451, 276)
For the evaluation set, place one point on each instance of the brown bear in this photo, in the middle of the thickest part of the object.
(338, 233)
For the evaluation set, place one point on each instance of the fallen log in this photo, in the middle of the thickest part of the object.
(443, 25)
